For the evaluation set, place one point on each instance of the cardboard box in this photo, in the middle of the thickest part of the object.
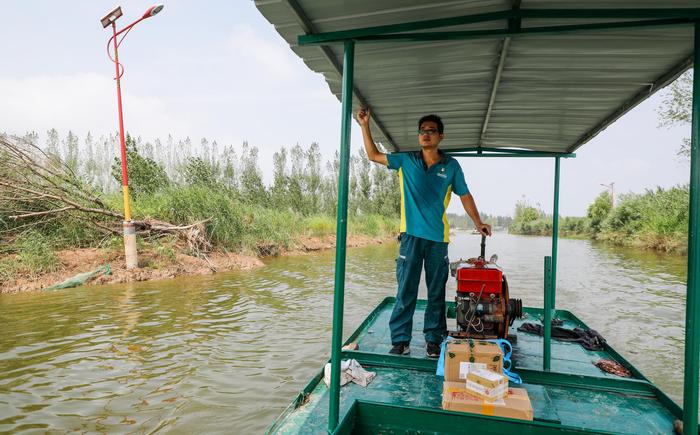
(460, 356)
(487, 385)
(455, 397)
(487, 378)
(486, 393)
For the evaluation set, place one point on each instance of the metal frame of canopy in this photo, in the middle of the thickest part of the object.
(407, 32)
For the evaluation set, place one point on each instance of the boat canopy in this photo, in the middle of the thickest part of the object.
(539, 75)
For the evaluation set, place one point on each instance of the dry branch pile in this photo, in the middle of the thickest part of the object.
(37, 188)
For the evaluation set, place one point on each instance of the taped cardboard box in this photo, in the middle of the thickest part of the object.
(487, 378)
(488, 385)
(455, 397)
(462, 356)
(486, 393)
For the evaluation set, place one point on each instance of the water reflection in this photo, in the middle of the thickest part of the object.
(209, 354)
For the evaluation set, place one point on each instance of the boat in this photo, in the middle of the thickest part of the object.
(524, 79)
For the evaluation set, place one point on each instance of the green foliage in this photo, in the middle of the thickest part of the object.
(181, 183)
(71, 147)
(165, 248)
(35, 253)
(319, 225)
(529, 219)
(280, 179)
(574, 226)
(197, 171)
(386, 193)
(625, 219)
(675, 109)
(145, 175)
(657, 219)
(462, 221)
(458, 221)
(373, 225)
(525, 212)
(251, 185)
(598, 210)
(185, 205)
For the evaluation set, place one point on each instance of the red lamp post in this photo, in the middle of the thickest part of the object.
(129, 229)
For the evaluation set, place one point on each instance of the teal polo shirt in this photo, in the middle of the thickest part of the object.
(425, 193)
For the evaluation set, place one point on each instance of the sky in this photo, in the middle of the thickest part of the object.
(218, 70)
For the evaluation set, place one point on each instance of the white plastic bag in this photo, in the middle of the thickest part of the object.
(350, 371)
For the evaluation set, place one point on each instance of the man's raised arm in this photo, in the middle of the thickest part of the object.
(372, 152)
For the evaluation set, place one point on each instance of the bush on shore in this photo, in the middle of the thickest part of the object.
(656, 219)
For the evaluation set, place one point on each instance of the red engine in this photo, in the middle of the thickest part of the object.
(483, 308)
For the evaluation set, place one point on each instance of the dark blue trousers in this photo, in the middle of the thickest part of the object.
(413, 254)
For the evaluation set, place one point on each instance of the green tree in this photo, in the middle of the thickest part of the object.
(229, 171)
(145, 175)
(70, 145)
(363, 195)
(251, 184)
(525, 212)
(295, 184)
(675, 109)
(91, 168)
(280, 179)
(312, 178)
(52, 142)
(330, 186)
(386, 197)
(599, 210)
(200, 172)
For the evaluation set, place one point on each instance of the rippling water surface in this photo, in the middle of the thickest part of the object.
(227, 353)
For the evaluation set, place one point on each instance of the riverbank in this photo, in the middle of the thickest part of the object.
(656, 220)
(157, 264)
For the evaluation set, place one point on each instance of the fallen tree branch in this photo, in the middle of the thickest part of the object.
(39, 213)
(39, 188)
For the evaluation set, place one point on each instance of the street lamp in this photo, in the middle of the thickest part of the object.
(611, 187)
(129, 228)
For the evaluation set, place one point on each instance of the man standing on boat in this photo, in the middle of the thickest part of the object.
(427, 178)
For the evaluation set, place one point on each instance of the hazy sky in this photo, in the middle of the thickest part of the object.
(219, 70)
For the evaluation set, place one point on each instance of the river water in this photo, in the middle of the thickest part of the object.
(227, 353)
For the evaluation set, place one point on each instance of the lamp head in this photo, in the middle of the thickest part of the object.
(152, 11)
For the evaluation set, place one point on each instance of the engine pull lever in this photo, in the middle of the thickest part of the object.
(483, 247)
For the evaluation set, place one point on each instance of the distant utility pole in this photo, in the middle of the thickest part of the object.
(611, 188)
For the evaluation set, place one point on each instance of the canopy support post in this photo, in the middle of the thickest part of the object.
(555, 230)
(692, 306)
(547, 318)
(341, 235)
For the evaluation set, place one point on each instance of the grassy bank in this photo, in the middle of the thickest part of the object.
(232, 225)
(205, 202)
(656, 219)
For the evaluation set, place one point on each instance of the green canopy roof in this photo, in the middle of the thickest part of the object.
(540, 75)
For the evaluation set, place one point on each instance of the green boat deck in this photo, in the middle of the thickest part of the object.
(574, 397)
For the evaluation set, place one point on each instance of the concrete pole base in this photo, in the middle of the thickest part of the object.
(130, 245)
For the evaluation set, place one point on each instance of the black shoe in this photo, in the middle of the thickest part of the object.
(400, 349)
(432, 350)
